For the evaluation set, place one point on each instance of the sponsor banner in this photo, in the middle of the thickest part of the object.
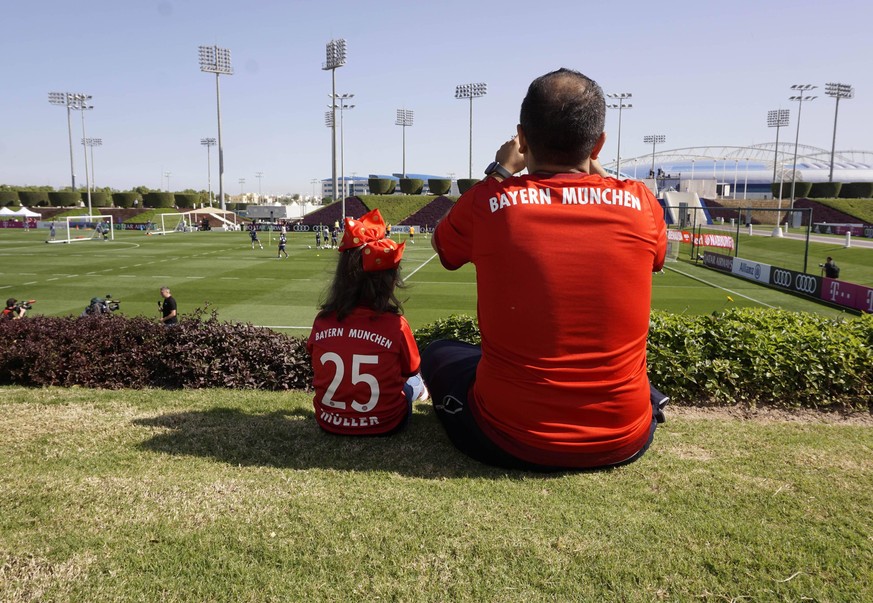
(713, 240)
(754, 271)
(701, 240)
(846, 294)
(797, 282)
(718, 261)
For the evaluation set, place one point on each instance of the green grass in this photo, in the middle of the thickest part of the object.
(236, 496)
(862, 209)
(220, 271)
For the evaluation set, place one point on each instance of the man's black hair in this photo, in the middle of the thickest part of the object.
(562, 116)
(353, 287)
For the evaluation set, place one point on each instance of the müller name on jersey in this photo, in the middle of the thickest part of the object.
(355, 334)
(576, 195)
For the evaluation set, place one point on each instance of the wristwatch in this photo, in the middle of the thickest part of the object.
(495, 167)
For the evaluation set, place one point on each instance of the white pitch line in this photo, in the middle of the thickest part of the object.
(422, 265)
(30, 283)
(757, 301)
(283, 327)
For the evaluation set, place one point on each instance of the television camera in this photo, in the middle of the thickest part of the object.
(99, 306)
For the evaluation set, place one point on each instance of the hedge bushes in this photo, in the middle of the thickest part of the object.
(439, 186)
(124, 199)
(34, 198)
(465, 184)
(755, 356)
(381, 186)
(411, 186)
(801, 189)
(8, 198)
(856, 190)
(117, 352)
(159, 200)
(64, 199)
(825, 190)
(98, 199)
(187, 200)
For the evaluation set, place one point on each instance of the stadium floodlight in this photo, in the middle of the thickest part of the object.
(66, 99)
(620, 97)
(777, 118)
(81, 102)
(167, 176)
(242, 182)
(259, 176)
(340, 101)
(91, 143)
(335, 57)
(654, 139)
(471, 91)
(217, 60)
(404, 119)
(800, 97)
(208, 143)
(837, 91)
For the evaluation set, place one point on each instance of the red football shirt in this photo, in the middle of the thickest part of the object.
(563, 270)
(360, 366)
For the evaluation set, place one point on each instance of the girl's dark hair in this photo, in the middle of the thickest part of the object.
(352, 287)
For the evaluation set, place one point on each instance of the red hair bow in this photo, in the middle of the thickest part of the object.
(368, 232)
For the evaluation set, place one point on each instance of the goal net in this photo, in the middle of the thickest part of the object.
(86, 228)
(171, 223)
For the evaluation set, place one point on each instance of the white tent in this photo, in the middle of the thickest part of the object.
(25, 213)
(5, 211)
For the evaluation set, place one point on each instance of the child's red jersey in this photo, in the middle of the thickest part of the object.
(360, 366)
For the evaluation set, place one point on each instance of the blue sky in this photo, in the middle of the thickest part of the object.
(701, 73)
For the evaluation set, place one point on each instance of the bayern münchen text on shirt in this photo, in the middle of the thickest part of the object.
(571, 195)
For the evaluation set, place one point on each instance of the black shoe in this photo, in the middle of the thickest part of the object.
(659, 413)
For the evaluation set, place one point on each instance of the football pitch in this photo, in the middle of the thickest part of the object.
(220, 271)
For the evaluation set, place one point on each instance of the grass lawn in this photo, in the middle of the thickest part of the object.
(220, 271)
(236, 496)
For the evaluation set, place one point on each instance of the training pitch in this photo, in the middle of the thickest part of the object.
(220, 271)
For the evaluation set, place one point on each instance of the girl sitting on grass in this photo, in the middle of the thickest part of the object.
(364, 357)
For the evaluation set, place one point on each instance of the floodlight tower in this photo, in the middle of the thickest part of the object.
(91, 143)
(837, 91)
(801, 89)
(620, 97)
(777, 119)
(67, 100)
(80, 102)
(259, 176)
(471, 91)
(217, 60)
(654, 139)
(335, 57)
(167, 176)
(404, 119)
(208, 143)
(242, 182)
(341, 103)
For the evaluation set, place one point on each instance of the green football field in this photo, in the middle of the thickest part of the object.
(219, 271)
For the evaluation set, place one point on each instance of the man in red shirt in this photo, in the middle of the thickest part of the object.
(563, 256)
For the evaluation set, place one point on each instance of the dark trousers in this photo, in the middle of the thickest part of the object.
(449, 370)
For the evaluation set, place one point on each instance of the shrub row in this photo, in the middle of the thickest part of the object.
(117, 352)
(770, 357)
(98, 199)
(755, 356)
(825, 190)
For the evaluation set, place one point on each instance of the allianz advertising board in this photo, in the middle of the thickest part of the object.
(754, 271)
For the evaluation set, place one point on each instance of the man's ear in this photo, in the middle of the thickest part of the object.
(522, 140)
(595, 152)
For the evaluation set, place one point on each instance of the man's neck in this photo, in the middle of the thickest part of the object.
(535, 167)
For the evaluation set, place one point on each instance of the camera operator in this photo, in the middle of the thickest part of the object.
(831, 269)
(14, 310)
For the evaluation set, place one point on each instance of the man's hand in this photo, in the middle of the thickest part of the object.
(509, 156)
(594, 167)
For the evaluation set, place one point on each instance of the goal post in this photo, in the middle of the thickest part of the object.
(172, 222)
(86, 228)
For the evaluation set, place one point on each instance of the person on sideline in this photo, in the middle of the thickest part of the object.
(831, 270)
(168, 308)
(283, 241)
(559, 382)
(364, 358)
